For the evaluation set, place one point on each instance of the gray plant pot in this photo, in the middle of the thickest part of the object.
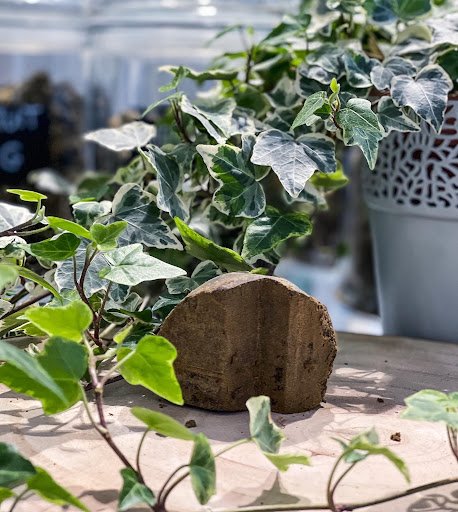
(413, 203)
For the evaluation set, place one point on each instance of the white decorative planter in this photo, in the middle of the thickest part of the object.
(413, 201)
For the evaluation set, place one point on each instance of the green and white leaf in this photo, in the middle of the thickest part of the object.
(358, 69)
(87, 212)
(383, 73)
(432, 405)
(130, 266)
(129, 136)
(294, 161)
(12, 216)
(216, 117)
(238, 194)
(203, 272)
(169, 181)
(366, 444)
(150, 364)
(307, 113)
(134, 493)
(361, 127)
(203, 470)
(145, 225)
(427, 94)
(393, 118)
(262, 429)
(271, 229)
(284, 94)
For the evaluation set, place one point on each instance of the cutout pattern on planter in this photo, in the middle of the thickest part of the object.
(418, 171)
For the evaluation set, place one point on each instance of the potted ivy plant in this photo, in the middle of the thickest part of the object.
(241, 173)
(393, 77)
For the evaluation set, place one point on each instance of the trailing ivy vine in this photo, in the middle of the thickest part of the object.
(243, 170)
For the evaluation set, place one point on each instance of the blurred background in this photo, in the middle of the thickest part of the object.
(70, 66)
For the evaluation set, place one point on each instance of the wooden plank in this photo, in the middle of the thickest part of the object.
(372, 377)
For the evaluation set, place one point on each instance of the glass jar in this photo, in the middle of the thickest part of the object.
(130, 41)
(42, 85)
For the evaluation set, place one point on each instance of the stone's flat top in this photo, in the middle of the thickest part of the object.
(371, 378)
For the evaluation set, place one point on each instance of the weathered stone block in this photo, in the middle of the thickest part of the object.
(241, 335)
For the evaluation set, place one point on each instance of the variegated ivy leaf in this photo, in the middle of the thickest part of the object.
(307, 113)
(145, 225)
(310, 195)
(216, 117)
(386, 11)
(87, 212)
(358, 68)
(382, 74)
(238, 193)
(169, 181)
(93, 283)
(393, 118)
(11, 216)
(284, 94)
(242, 123)
(204, 271)
(360, 127)
(294, 161)
(130, 266)
(305, 86)
(324, 64)
(427, 94)
(271, 229)
(128, 136)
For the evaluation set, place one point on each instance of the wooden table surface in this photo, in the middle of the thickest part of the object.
(371, 378)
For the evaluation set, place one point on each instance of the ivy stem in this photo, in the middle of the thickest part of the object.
(329, 488)
(79, 285)
(34, 231)
(334, 487)
(20, 295)
(27, 303)
(232, 446)
(100, 313)
(102, 426)
(164, 493)
(18, 498)
(344, 508)
(179, 122)
(139, 450)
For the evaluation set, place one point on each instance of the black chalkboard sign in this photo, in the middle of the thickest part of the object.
(24, 141)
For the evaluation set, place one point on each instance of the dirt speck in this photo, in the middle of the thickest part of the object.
(380, 400)
(396, 437)
(190, 424)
